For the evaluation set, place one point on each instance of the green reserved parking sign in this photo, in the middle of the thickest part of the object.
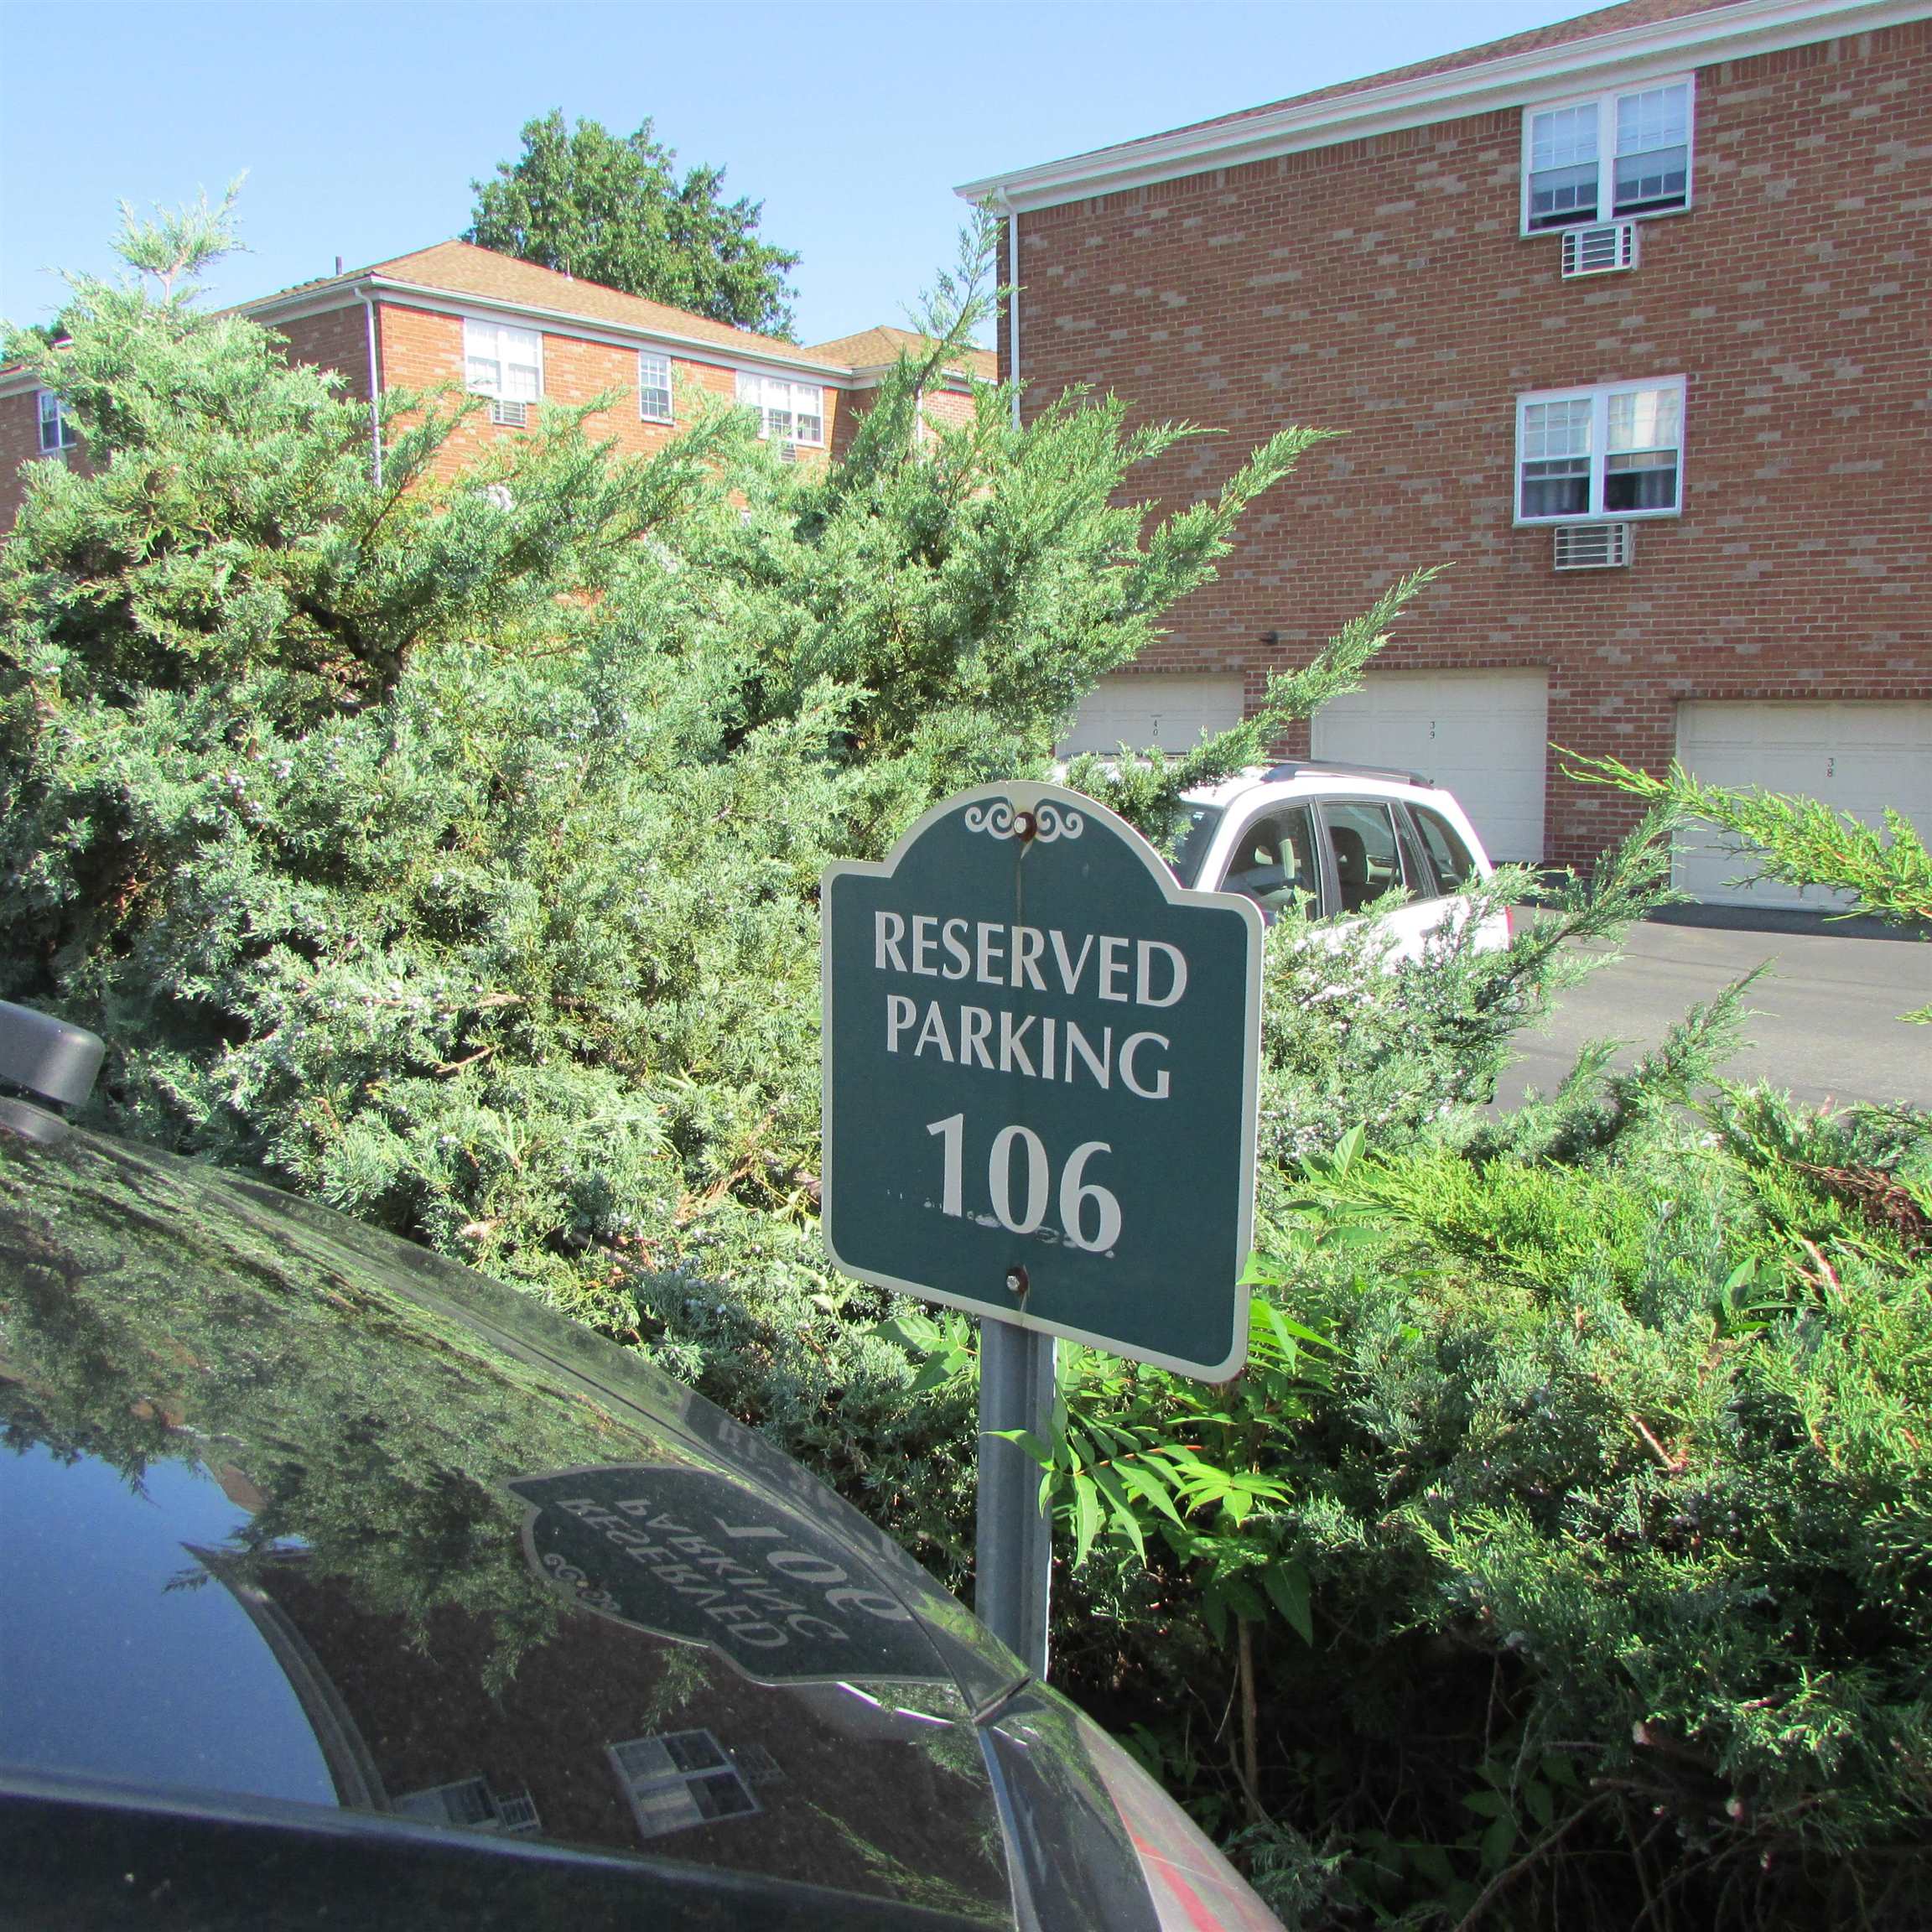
(1040, 1063)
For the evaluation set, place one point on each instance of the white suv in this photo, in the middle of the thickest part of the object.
(1339, 836)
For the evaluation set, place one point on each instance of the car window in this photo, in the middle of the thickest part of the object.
(1197, 835)
(1447, 851)
(1273, 862)
(1368, 860)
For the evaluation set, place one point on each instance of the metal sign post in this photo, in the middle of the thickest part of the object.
(1013, 1539)
(1040, 1060)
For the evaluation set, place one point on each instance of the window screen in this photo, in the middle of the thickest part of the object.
(653, 387)
(56, 430)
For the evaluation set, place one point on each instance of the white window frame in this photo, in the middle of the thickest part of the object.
(66, 437)
(645, 414)
(484, 341)
(670, 1782)
(1605, 107)
(1598, 396)
(514, 1811)
(762, 402)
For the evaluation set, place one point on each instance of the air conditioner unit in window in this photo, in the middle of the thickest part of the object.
(787, 452)
(1593, 546)
(1599, 249)
(511, 415)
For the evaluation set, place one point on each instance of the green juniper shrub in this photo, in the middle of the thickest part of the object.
(447, 847)
(1559, 1558)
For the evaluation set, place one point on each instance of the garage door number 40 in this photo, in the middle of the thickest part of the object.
(1079, 1198)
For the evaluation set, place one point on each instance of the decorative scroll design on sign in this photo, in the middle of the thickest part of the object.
(1046, 822)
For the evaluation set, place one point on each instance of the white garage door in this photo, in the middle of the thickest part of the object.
(1856, 757)
(1482, 734)
(1170, 712)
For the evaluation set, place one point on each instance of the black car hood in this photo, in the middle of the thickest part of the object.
(295, 1514)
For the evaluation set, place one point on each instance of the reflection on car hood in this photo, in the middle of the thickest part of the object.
(300, 1515)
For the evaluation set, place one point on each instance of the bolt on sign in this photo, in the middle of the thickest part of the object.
(1040, 1063)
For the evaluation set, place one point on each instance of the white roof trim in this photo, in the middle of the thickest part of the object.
(299, 301)
(1632, 55)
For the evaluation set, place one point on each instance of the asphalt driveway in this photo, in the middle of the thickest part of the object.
(1823, 1019)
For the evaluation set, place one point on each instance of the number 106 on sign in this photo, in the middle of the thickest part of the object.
(1020, 1185)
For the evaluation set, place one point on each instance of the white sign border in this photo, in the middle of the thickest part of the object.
(1027, 795)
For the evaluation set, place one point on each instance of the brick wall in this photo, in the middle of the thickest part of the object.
(421, 347)
(940, 407)
(1380, 288)
(19, 446)
(337, 338)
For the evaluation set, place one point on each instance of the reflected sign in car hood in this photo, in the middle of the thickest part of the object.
(302, 1517)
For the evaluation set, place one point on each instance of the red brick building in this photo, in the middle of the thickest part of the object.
(522, 337)
(1625, 319)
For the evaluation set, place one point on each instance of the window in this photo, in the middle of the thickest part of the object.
(680, 1779)
(1196, 836)
(1602, 160)
(1368, 858)
(1273, 862)
(1603, 454)
(57, 430)
(1447, 853)
(787, 412)
(653, 386)
(504, 364)
(471, 1806)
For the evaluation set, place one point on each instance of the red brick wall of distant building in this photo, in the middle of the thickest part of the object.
(1381, 288)
(942, 409)
(421, 348)
(337, 338)
(19, 446)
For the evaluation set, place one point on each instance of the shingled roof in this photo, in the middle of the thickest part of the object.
(1634, 40)
(458, 269)
(466, 270)
(1559, 32)
(872, 348)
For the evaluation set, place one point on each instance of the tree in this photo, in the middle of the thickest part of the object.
(450, 852)
(581, 201)
(1798, 841)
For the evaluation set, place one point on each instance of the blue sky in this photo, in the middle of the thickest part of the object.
(361, 124)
